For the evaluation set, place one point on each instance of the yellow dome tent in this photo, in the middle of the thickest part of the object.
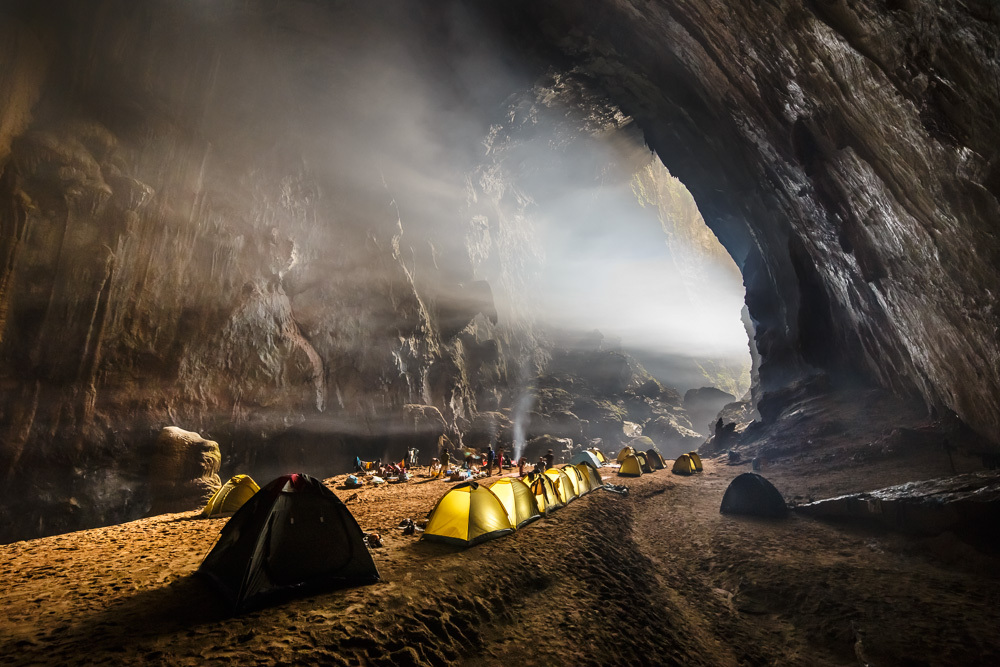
(517, 499)
(545, 494)
(232, 495)
(696, 460)
(655, 460)
(579, 481)
(644, 462)
(468, 514)
(684, 465)
(599, 454)
(626, 451)
(630, 467)
(590, 473)
(562, 484)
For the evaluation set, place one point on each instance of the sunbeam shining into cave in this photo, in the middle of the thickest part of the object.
(620, 245)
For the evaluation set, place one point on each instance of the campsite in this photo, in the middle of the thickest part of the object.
(602, 580)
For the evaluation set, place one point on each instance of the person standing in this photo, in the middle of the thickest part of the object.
(549, 459)
(491, 458)
(445, 457)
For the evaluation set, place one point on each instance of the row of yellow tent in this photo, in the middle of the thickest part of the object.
(471, 513)
(635, 462)
(550, 491)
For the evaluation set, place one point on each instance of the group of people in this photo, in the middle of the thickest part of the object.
(379, 469)
(476, 465)
(492, 458)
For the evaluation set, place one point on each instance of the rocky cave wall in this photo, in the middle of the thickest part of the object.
(174, 253)
(173, 250)
(845, 152)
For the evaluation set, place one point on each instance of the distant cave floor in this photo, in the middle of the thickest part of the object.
(659, 577)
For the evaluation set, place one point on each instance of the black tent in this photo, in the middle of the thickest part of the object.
(294, 535)
(750, 493)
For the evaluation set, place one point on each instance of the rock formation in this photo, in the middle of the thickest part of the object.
(967, 504)
(846, 155)
(703, 406)
(183, 471)
(672, 437)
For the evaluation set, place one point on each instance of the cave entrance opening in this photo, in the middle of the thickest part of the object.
(623, 259)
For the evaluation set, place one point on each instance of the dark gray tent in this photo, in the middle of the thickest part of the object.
(751, 494)
(294, 535)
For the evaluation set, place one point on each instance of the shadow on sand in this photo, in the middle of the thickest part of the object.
(184, 603)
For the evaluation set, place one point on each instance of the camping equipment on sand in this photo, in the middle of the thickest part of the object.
(684, 465)
(517, 499)
(655, 460)
(644, 462)
(562, 484)
(696, 460)
(751, 494)
(590, 473)
(630, 467)
(625, 452)
(586, 457)
(466, 515)
(232, 495)
(582, 482)
(294, 535)
(544, 492)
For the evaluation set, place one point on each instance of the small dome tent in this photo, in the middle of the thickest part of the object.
(684, 465)
(590, 473)
(586, 457)
(579, 483)
(625, 452)
(582, 483)
(294, 535)
(562, 484)
(599, 454)
(630, 467)
(655, 460)
(231, 497)
(643, 462)
(751, 494)
(517, 499)
(545, 494)
(696, 460)
(468, 514)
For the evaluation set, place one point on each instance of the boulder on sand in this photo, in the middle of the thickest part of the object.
(960, 503)
(183, 471)
(753, 495)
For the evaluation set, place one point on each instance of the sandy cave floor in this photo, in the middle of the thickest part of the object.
(659, 577)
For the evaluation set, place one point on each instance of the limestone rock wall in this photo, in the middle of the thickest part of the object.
(845, 152)
(177, 246)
